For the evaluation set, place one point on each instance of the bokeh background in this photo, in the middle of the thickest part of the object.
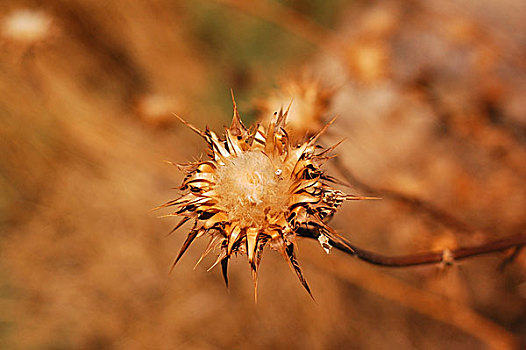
(430, 97)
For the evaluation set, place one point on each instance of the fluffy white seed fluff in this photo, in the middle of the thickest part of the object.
(252, 186)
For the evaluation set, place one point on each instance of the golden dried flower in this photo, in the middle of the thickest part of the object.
(256, 190)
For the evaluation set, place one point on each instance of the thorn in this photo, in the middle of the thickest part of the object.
(181, 223)
(293, 263)
(330, 149)
(169, 162)
(322, 131)
(236, 125)
(186, 244)
(224, 269)
(282, 116)
(255, 278)
(219, 259)
(351, 197)
(166, 216)
(196, 130)
(288, 107)
(181, 166)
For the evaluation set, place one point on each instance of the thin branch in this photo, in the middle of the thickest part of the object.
(426, 258)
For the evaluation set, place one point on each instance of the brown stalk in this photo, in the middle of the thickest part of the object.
(426, 258)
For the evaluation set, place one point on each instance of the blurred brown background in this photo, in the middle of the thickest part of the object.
(430, 96)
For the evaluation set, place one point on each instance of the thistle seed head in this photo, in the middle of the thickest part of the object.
(256, 189)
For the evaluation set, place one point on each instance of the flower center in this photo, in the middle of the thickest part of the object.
(251, 188)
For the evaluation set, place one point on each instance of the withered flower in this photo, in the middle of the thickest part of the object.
(256, 190)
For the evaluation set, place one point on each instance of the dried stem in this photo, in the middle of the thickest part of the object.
(426, 258)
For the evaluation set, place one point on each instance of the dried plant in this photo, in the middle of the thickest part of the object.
(88, 91)
(257, 190)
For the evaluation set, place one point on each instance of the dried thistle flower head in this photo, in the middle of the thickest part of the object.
(311, 101)
(256, 190)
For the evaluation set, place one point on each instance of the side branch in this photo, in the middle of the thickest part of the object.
(445, 256)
